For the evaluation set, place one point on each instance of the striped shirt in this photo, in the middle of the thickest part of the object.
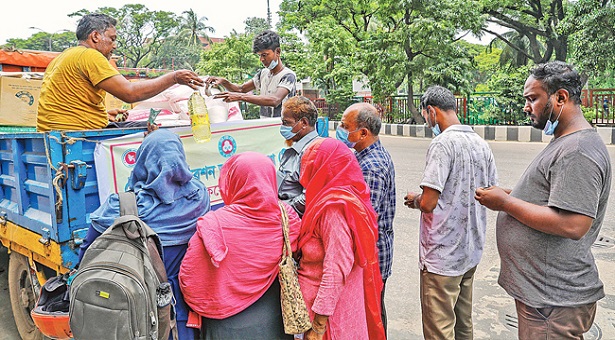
(379, 174)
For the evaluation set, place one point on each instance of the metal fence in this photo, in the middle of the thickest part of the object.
(479, 108)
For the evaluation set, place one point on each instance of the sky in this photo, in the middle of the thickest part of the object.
(52, 16)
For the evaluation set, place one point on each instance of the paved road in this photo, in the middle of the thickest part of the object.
(494, 313)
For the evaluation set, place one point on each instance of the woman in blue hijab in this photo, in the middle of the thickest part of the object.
(169, 200)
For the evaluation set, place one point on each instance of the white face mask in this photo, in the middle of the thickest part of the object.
(273, 64)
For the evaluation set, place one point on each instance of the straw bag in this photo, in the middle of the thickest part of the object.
(294, 312)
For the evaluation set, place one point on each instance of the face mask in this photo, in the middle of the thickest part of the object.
(273, 64)
(435, 129)
(551, 126)
(342, 135)
(287, 131)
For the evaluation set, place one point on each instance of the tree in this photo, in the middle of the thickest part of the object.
(40, 41)
(592, 27)
(141, 32)
(255, 25)
(193, 27)
(392, 41)
(537, 23)
(232, 59)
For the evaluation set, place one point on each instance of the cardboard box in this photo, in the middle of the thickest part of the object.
(19, 99)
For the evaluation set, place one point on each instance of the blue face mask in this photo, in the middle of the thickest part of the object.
(551, 126)
(435, 129)
(273, 64)
(342, 135)
(287, 131)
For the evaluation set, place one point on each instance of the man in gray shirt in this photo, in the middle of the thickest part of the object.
(275, 82)
(549, 221)
(298, 127)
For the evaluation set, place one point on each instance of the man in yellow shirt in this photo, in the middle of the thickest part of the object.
(76, 81)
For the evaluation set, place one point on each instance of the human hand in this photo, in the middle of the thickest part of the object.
(189, 78)
(215, 81)
(410, 198)
(117, 115)
(494, 197)
(312, 335)
(150, 128)
(229, 96)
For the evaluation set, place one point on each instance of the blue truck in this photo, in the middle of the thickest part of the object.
(48, 188)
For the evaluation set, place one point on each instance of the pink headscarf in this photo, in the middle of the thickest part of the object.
(233, 257)
(332, 178)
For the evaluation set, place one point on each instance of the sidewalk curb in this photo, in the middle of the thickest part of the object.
(487, 132)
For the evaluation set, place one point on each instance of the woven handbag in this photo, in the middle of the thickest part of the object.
(294, 312)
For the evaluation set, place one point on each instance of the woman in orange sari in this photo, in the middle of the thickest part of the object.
(338, 268)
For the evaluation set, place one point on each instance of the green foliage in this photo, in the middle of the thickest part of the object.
(508, 90)
(589, 113)
(255, 25)
(41, 41)
(141, 32)
(536, 25)
(387, 41)
(591, 23)
(233, 59)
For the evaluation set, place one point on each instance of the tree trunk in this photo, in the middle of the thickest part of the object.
(416, 115)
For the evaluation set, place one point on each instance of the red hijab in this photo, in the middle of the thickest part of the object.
(233, 258)
(332, 177)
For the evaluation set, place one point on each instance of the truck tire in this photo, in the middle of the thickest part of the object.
(22, 296)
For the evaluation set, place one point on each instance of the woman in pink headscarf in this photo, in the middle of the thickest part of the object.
(229, 273)
(338, 269)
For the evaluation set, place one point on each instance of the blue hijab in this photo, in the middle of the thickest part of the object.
(169, 199)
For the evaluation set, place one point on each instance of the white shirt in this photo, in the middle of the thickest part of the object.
(452, 237)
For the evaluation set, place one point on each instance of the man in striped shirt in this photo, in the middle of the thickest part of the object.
(359, 129)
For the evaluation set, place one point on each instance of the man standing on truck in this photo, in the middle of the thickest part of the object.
(275, 82)
(76, 81)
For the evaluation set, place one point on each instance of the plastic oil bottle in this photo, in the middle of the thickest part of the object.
(199, 118)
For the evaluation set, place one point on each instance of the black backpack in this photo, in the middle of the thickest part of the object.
(120, 290)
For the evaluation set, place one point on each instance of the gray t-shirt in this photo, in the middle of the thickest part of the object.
(452, 237)
(572, 173)
(268, 84)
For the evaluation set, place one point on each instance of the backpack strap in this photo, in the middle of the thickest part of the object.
(128, 203)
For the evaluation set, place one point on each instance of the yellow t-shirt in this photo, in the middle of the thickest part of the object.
(69, 99)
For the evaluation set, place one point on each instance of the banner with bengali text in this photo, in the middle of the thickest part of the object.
(115, 158)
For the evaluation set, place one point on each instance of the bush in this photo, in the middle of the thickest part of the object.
(589, 113)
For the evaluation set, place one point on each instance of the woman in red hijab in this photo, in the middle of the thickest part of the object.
(338, 269)
(229, 273)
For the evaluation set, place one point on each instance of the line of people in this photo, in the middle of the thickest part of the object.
(341, 205)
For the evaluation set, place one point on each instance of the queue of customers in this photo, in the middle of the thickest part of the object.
(222, 265)
(339, 195)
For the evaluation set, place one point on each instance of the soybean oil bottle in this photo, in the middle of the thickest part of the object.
(199, 118)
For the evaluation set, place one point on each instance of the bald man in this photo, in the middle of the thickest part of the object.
(359, 130)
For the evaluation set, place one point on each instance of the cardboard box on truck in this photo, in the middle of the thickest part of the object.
(19, 94)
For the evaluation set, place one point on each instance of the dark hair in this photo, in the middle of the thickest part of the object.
(557, 75)
(439, 97)
(93, 22)
(266, 40)
(368, 117)
(301, 107)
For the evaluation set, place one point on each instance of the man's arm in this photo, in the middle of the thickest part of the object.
(272, 100)
(131, 92)
(546, 219)
(425, 202)
(298, 203)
